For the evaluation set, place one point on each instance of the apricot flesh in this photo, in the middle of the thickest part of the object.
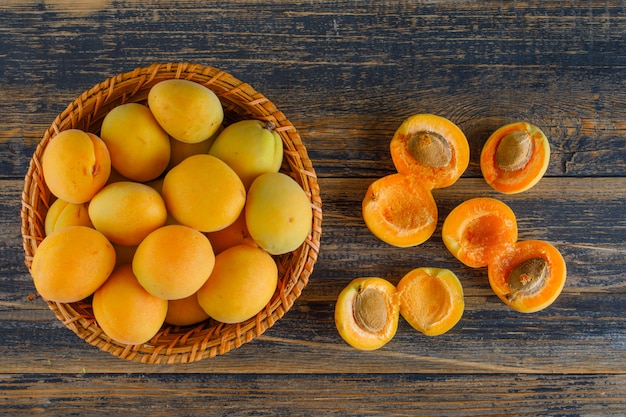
(188, 111)
(125, 311)
(250, 148)
(203, 192)
(399, 211)
(431, 147)
(173, 261)
(529, 277)
(63, 214)
(242, 283)
(278, 213)
(71, 263)
(515, 157)
(126, 212)
(431, 300)
(479, 229)
(76, 165)
(367, 313)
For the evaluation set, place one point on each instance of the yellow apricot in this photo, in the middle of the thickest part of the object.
(179, 151)
(278, 213)
(63, 214)
(250, 148)
(173, 261)
(188, 111)
(71, 263)
(139, 147)
(242, 283)
(125, 212)
(76, 165)
(431, 300)
(367, 312)
(204, 193)
(234, 234)
(125, 311)
(185, 312)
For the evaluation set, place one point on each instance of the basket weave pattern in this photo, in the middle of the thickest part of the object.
(174, 344)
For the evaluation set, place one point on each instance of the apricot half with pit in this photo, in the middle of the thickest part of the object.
(367, 313)
(515, 157)
(431, 147)
(399, 211)
(479, 229)
(529, 277)
(431, 300)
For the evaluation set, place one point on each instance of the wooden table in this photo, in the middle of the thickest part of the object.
(347, 74)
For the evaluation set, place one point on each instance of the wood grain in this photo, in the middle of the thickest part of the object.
(347, 74)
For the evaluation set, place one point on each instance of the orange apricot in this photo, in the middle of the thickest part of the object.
(185, 311)
(234, 234)
(399, 211)
(529, 277)
(431, 147)
(431, 300)
(367, 313)
(479, 229)
(515, 157)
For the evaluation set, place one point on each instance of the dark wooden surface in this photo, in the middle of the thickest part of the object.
(346, 74)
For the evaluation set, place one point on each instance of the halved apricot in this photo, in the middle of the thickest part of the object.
(367, 313)
(515, 157)
(529, 277)
(431, 300)
(478, 229)
(399, 211)
(431, 147)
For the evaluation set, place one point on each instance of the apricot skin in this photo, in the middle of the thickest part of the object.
(345, 321)
(431, 300)
(76, 165)
(203, 192)
(71, 263)
(126, 212)
(139, 147)
(399, 211)
(63, 214)
(188, 111)
(173, 262)
(185, 311)
(242, 283)
(278, 213)
(125, 310)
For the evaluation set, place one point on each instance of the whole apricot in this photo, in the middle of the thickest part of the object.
(125, 311)
(250, 148)
(188, 111)
(234, 234)
(242, 283)
(203, 192)
(125, 212)
(139, 147)
(179, 151)
(431, 300)
(76, 165)
(367, 312)
(185, 312)
(71, 263)
(63, 214)
(278, 213)
(173, 261)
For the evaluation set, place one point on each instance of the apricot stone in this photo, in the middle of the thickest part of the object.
(125, 310)
(204, 193)
(139, 147)
(173, 262)
(188, 111)
(278, 213)
(126, 212)
(71, 263)
(76, 165)
(242, 283)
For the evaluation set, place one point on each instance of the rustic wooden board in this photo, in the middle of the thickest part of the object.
(347, 74)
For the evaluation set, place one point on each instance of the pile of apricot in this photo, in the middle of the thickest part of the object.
(168, 216)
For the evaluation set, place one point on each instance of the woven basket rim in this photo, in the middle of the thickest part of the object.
(175, 344)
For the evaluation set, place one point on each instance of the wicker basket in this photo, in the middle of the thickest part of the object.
(175, 344)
